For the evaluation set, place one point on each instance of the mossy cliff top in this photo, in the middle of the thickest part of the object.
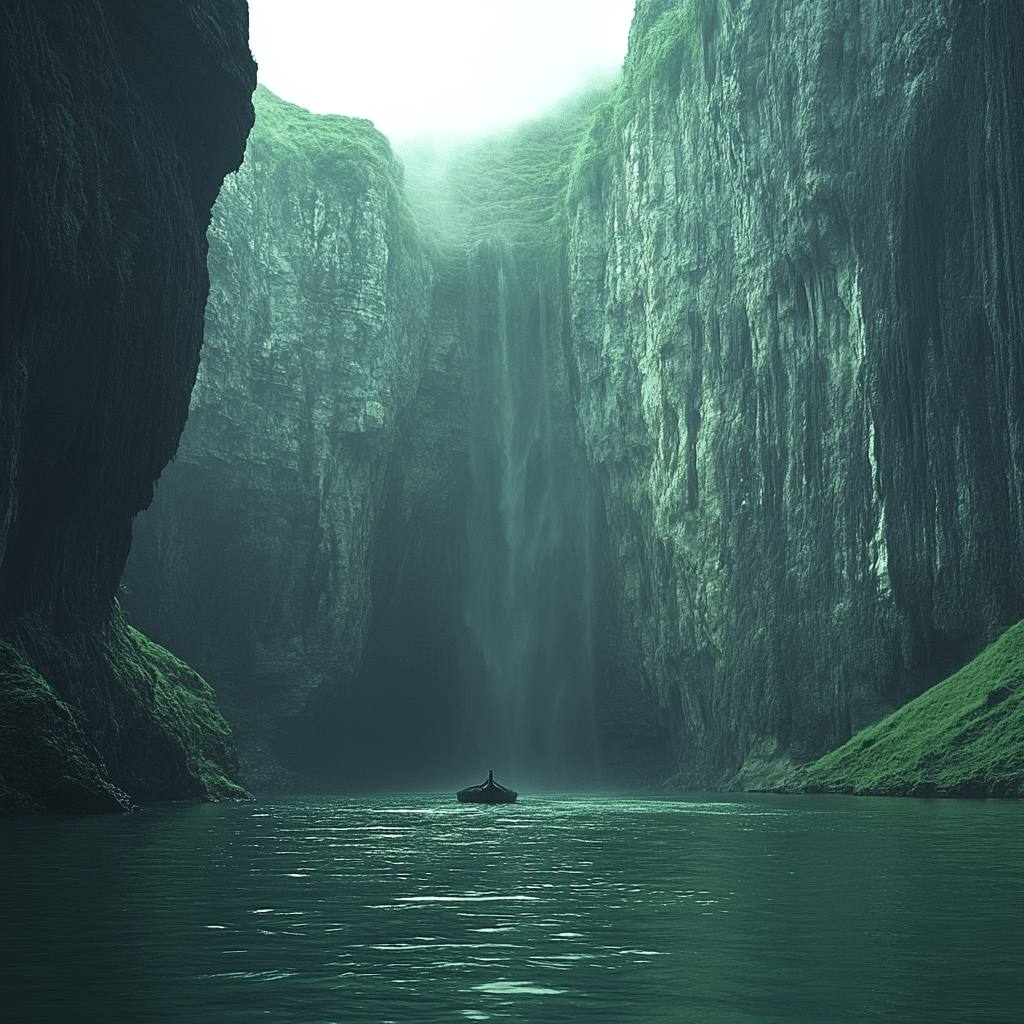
(963, 737)
(285, 131)
(663, 34)
(348, 152)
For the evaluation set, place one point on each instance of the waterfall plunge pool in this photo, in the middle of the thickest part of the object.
(713, 908)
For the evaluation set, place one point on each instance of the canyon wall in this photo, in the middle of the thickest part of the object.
(796, 276)
(679, 449)
(258, 568)
(118, 126)
(375, 541)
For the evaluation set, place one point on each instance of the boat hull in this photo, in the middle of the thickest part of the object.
(488, 792)
(474, 796)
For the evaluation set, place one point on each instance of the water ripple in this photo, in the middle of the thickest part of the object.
(554, 910)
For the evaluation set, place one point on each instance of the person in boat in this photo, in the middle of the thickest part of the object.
(487, 792)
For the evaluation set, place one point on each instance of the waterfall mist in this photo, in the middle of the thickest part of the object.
(528, 670)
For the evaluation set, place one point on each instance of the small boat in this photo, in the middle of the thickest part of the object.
(488, 792)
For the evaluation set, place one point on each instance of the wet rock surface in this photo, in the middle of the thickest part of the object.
(796, 287)
(118, 126)
(781, 493)
(258, 565)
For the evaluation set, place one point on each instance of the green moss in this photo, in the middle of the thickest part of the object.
(349, 152)
(659, 45)
(592, 154)
(87, 718)
(964, 736)
(287, 132)
(675, 34)
(46, 760)
(185, 710)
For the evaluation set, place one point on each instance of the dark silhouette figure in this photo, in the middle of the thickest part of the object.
(488, 792)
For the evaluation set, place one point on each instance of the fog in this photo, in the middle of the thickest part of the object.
(455, 69)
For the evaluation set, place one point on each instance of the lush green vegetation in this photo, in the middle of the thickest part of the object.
(656, 48)
(348, 150)
(510, 186)
(183, 705)
(85, 718)
(520, 186)
(286, 132)
(48, 762)
(675, 34)
(963, 737)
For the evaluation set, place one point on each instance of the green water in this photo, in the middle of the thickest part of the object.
(418, 909)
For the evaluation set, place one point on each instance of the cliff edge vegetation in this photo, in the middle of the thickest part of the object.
(86, 722)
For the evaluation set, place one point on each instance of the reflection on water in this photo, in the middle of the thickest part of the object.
(419, 909)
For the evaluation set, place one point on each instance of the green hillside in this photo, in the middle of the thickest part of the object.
(963, 737)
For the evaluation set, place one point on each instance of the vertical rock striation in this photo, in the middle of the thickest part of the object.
(376, 538)
(258, 568)
(719, 463)
(118, 126)
(796, 269)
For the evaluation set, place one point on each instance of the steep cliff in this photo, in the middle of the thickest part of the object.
(683, 449)
(257, 569)
(118, 126)
(796, 276)
(378, 538)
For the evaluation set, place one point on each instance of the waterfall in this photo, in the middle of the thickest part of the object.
(528, 576)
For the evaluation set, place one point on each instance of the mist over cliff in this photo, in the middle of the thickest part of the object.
(674, 436)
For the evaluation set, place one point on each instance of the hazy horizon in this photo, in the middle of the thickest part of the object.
(445, 72)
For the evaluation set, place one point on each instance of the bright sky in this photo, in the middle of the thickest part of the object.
(448, 68)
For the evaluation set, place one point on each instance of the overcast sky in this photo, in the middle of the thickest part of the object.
(449, 68)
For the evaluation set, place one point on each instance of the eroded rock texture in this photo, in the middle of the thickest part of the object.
(694, 484)
(796, 287)
(119, 122)
(376, 539)
(258, 568)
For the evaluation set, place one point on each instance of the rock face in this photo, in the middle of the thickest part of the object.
(118, 126)
(377, 539)
(692, 482)
(315, 331)
(796, 276)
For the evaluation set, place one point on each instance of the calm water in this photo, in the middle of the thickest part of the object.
(418, 909)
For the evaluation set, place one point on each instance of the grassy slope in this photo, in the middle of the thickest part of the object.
(963, 737)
